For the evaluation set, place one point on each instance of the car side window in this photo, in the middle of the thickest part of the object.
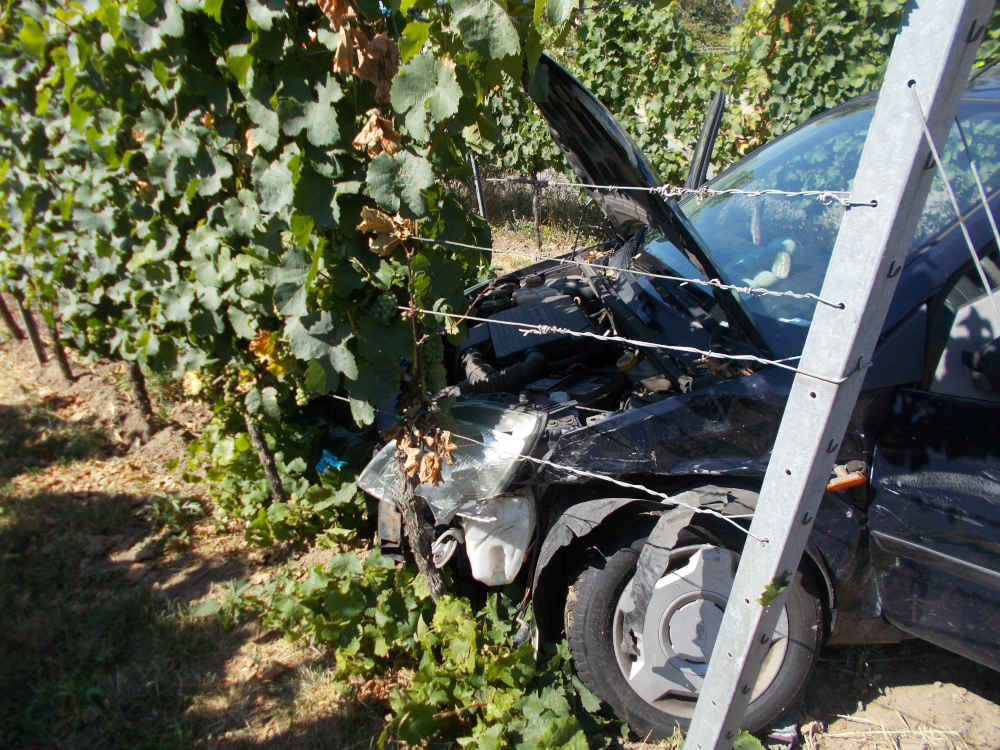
(962, 331)
(980, 127)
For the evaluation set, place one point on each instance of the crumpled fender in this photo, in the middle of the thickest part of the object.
(577, 523)
(653, 560)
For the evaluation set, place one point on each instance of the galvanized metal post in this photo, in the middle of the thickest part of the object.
(477, 186)
(933, 55)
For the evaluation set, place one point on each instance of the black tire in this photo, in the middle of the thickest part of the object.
(591, 608)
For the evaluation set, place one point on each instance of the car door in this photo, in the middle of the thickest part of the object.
(935, 511)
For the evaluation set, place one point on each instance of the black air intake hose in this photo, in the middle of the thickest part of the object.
(482, 377)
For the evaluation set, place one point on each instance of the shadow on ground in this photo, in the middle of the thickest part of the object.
(98, 647)
(847, 678)
(31, 437)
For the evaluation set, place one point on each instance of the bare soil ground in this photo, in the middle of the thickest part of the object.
(103, 550)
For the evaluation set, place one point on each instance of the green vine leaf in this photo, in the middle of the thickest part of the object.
(396, 182)
(553, 12)
(32, 37)
(241, 213)
(746, 741)
(319, 118)
(425, 89)
(486, 28)
(275, 181)
(413, 39)
(773, 589)
(265, 12)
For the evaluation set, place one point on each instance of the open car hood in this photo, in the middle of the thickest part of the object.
(602, 153)
(595, 145)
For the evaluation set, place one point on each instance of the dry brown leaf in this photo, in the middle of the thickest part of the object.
(373, 220)
(337, 11)
(389, 231)
(378, 135)
(446, 448)
(411, 455)
(383, 244)
(430, 469)
(378, 61)
(361, 41)
(424, 454)
(343, 54)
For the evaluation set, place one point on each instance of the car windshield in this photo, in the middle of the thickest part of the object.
(784, 243)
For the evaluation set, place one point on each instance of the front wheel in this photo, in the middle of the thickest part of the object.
(651, 679)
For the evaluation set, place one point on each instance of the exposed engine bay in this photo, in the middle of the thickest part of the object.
(556, 371)
(524, 384)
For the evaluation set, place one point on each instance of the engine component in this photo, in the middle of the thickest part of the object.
(556, 310)
(481, 377)
(497, 534)
(445, 545)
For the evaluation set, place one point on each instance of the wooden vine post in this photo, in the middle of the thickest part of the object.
(536, 207)
(419, 536)
(266, 459)
(31, 328)
(57, 348)
(141, 396)
(8, 320)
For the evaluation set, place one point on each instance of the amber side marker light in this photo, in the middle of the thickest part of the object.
(846, 476)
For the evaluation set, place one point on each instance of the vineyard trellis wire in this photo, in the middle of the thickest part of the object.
(750, 291)
(543, 329)
(825, 196)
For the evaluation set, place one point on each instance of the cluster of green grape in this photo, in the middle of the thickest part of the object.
(301, 397)
(386, 307)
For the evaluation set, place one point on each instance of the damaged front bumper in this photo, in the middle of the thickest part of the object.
(473, 504)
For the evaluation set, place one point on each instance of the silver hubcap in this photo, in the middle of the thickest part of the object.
(666, 663)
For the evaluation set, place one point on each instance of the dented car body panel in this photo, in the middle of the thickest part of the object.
(935, 522)
(728, 430)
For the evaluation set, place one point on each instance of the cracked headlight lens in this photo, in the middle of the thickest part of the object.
(485, 462)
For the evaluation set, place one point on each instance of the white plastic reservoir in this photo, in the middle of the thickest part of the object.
(497, 534)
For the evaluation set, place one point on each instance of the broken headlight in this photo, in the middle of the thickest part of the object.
(490, 437)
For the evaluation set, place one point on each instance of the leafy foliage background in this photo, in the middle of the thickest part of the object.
(786, 62)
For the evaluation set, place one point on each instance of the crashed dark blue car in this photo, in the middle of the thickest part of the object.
(907, 542)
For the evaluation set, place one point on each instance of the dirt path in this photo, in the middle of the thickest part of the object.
(910, 696)
(104, 549)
